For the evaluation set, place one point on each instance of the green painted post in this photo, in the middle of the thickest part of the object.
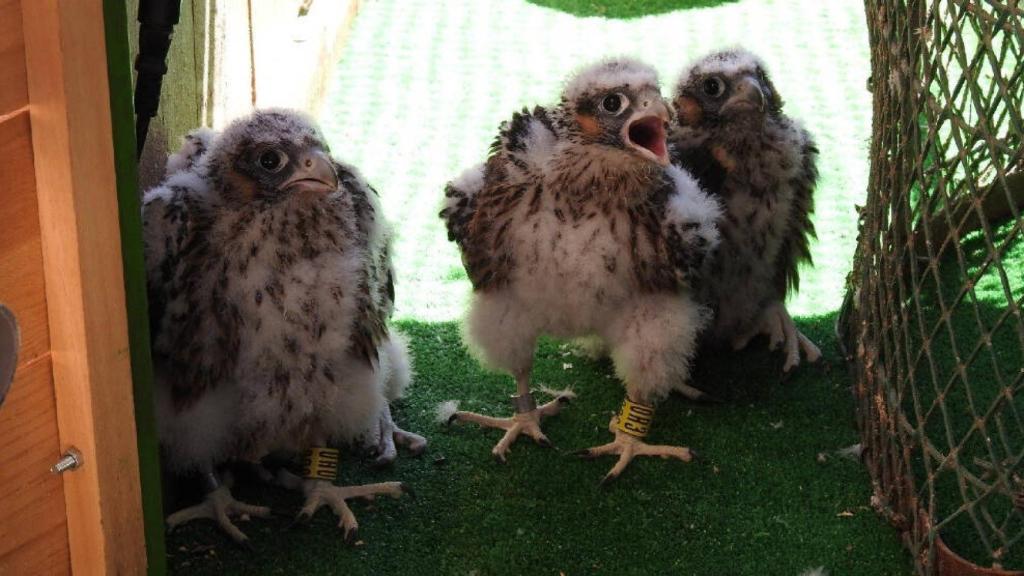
(123, 122)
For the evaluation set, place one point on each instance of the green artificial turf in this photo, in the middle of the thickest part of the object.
(759, 502)
(624, 8)
(417, 98)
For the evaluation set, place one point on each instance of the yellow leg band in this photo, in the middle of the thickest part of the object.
(635, 419)
(321, 464)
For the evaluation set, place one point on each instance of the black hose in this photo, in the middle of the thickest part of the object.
(157, 19)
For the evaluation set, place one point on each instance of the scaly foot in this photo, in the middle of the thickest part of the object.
(776, 323)
(219, 506)
(323, 492)
(627, 447)
(388, 436)
(524, 422)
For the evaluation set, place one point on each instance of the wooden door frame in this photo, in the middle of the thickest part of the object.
(70, 113)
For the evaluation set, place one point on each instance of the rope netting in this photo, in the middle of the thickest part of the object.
(933, 319)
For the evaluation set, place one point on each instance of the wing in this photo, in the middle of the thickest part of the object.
(376, 289)
(195, 330)
(481, 203)
(690, 225)
(193, 146)
(796, 244)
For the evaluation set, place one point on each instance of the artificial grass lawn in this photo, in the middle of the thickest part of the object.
(417, 98)
(758, 502)
(624, 8)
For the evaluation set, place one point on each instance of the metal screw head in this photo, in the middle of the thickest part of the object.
(69, 461)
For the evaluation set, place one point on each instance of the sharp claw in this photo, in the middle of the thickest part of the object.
(300, 521)
(500, 459)
(545, 443)
(452, 419)
(380, 463)
(585, 453)
(564, 400)
(351, 536)
(245, 545)
(607, 480)
(695, 456)
(418, 451)
(407, 489)
(709, 398)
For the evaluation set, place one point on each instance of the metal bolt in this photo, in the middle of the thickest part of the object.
(69, 461)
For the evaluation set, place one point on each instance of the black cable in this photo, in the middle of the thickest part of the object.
(157, 19)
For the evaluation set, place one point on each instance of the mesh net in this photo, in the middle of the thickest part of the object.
(932, 320)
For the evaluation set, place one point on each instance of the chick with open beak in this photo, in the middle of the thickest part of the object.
(578, 226)
(644, 132)
(630, 118)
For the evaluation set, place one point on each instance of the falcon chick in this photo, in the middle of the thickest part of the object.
(270, 286)
(577, 225)
(730, 132)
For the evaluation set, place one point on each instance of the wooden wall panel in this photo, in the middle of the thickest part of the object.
(65, 51)
(13, 85)
(21, 254)
(33, 526)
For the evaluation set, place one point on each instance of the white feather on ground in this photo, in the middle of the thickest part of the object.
(445, 410)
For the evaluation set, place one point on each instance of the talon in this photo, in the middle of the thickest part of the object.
(500, 459)
(351, 536)
(245, 545)
(564, 400)
(607, 480)
(545, 443)
(710, 398)
(585, 453)
(407, 489)
(695, 456)
(452, 419)
(383, 462)
(302, 519)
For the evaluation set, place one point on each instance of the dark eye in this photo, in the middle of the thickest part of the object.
(713, 86)
(271, 160)
(614, 103)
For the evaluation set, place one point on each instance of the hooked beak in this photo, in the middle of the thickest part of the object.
(645, 130)
(314, 174)
(747, 97)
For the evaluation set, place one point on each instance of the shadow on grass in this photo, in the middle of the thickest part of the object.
(625, 9)
(757, 502)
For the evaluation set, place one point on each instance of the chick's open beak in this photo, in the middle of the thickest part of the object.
(645, 130)
(315, 173)
(747, 96)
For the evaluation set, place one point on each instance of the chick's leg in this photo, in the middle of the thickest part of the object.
(319, 489)
(526, 420)
(219, 506)
(630, 426)
(777, 324)
(390, 436)
(652, 340)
